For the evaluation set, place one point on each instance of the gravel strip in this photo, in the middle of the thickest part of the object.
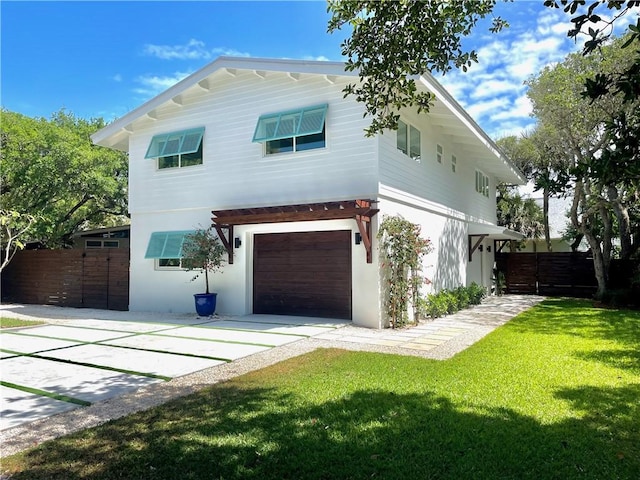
(479, 321)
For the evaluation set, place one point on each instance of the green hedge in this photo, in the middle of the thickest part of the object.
(447, 302)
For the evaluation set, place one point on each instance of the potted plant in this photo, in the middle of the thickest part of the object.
(203, 252)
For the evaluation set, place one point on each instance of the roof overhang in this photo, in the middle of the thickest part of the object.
(360, 210)
(494, 232)
(478, 232)
(466, 134)
(116, 134)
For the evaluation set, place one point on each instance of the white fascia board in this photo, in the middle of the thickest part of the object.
(461, 114)
(235, 63)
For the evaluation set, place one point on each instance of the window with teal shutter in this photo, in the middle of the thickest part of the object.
(292, 130)
(166, 245)
(177, 149)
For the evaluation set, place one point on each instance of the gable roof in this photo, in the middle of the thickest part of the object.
(446, 111)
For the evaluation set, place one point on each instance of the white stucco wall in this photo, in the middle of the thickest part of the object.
(172, 290)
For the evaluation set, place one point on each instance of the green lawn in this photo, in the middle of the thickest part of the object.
(555, 393)
(17, 322)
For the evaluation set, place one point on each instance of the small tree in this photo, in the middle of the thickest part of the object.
(402, 249)
(14, 226)
(203, 252)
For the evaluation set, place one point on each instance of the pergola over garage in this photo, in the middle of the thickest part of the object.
(360, 210)
(307, 273)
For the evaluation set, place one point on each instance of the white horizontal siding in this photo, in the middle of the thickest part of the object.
(434, 181)
(235, 172)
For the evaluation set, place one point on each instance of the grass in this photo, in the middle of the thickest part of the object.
(17, 322)
(552, 394)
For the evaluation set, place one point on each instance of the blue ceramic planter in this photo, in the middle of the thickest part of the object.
(205, 303)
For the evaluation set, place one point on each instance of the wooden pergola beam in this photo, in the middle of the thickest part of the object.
(476, 245)
(227, 240)
(360, 210)
(295, 216)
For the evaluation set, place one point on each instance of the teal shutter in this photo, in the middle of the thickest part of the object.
(166, 244)
(175, 143)
(292, 123)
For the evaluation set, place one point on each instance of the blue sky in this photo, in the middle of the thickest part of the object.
(102, 59)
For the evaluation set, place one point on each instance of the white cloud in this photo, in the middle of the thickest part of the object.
(479, 110)
(319, 58)
(117, 77)
(492, 87)
(519, 109)
(493, 91)
(193, 50)
(152, 85)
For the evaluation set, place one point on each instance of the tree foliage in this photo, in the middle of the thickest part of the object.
(52, 173)
(13, 226)
(203, 252)
(594, 22)
(604, 179)
(518, 213)
(543, 162)
(392, 41)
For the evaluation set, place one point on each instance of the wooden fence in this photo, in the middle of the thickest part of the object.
(92, 278)
(555, 273)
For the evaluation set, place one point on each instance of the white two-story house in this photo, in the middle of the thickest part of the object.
(273, 154)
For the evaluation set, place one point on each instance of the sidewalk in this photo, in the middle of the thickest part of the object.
(438, 339)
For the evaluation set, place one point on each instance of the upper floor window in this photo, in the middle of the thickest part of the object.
(177, 149)
(408, 140)
(293, 130)
(439, 153)
(454, 163)
(482, 183)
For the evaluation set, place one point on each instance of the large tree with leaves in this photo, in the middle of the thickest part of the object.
(392, 41)
(53, 176)
(604, 185)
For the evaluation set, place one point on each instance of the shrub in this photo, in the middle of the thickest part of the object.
(462, 297)
(450, 301)
(476, 293)
(436, 305)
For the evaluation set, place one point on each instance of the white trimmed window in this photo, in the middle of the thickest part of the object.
(292, 130)
(454, 163)
(482, 183)
(439, 153)
(177, 149)
(408, 140)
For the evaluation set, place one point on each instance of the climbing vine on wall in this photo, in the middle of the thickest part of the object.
(401, 251)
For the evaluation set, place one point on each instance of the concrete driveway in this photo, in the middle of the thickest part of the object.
(84, 356)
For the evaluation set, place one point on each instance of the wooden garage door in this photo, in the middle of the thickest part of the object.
(303, 273)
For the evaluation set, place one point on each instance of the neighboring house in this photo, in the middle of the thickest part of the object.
(109, 237)
(273, 152)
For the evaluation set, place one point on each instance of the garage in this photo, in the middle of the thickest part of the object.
(303, 273)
